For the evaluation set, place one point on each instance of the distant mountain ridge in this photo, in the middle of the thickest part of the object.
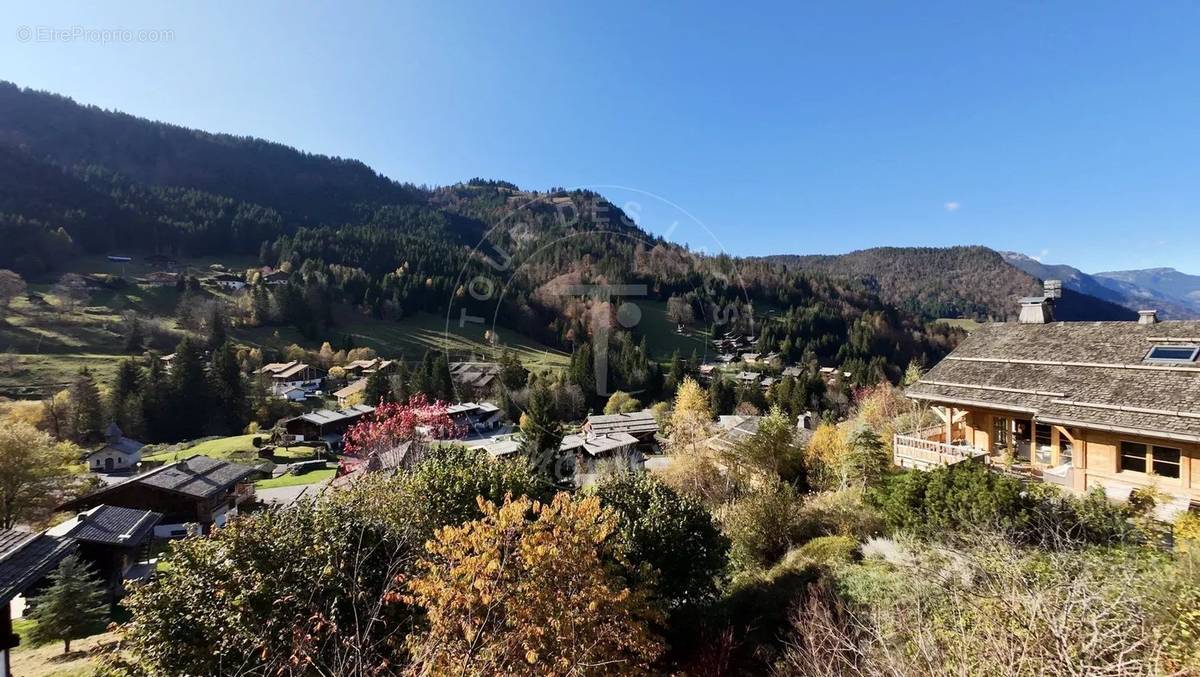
(1175, 295)
(967, 281)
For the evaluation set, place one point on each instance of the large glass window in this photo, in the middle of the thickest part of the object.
(1066, 450)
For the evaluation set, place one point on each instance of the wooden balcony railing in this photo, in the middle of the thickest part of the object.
(909, 451)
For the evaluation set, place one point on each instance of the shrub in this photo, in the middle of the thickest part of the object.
(840, 513)
(829, 550)
(673, 534)
(763, 525)
(952, 498)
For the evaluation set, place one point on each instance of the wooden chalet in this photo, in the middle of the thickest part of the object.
(1082, 404)
(197, 490)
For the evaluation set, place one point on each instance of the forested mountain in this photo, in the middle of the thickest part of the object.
(1121, 288)
(973, 282)
(1163, 285)
(78, 179)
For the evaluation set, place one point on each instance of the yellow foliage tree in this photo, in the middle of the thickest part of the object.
(532, 589)
(827, 456)
(691, 419)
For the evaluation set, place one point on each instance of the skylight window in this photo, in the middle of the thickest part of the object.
(1173, 354)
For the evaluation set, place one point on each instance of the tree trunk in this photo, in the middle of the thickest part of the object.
(66, 646)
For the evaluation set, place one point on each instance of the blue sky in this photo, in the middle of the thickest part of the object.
(1065, 130)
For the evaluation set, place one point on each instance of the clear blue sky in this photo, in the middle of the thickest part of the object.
(1064, 130)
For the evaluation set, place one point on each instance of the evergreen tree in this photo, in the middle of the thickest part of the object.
(378, 390)
(71, 607)
(126, 385)
(189, 392)
(87, 411)
(676, 373)
(156, 400)
(440, 380)
(134, 341)
(542, 434)
(399, 381)
(216, 330)
(513, 374)
(228, 390)
(721, 396)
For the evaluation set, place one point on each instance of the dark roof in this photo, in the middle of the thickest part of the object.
(634, 423)
(1087, 374)
(196, 477)
(108, 524)
(25, 558)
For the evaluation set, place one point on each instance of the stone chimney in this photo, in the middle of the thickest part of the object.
(1052, 289)
(1147, 317)
(1036, 310)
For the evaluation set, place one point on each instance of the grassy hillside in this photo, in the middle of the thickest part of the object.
(42, 346)
(410, 337)
(661, 337)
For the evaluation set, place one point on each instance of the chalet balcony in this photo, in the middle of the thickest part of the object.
(923, 453)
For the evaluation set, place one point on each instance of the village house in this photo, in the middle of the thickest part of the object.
(119, 453)
(597, 455)
(197, 490)
(274, 278)
(25, 560)
(1109, 404)
(640, 424)
(476, 418)
(747, 378)
(114, 541)
(325, 425)
(476, 378)
(294, 374)
(350, 392)
(363, 368)
(229, 281)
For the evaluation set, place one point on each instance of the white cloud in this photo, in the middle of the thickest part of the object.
(951, 206)
(1040, 256)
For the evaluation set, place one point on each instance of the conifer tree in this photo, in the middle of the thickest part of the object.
(71, 607)
(228, 389)
(542, 434)
(378, 390)
(87, 411)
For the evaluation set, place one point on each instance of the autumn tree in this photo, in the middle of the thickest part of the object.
(11, 286)
(621, 402)
(36, 474)
(533, 589)
(394, 423)
(691, 419)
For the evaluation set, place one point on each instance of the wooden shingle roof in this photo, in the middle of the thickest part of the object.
(1088, 374)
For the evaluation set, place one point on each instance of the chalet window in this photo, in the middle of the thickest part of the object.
(1162, 461)
(1165, 461)
(1065, 448)
(1000, 434)
(1173, 354)
(1043, 449)
(1133, 456)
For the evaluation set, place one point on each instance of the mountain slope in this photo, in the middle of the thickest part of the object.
(78, 180)
(1166, 283)
(1132, 289)
(971, 282)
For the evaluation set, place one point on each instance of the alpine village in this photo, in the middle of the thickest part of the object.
(268, 412)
